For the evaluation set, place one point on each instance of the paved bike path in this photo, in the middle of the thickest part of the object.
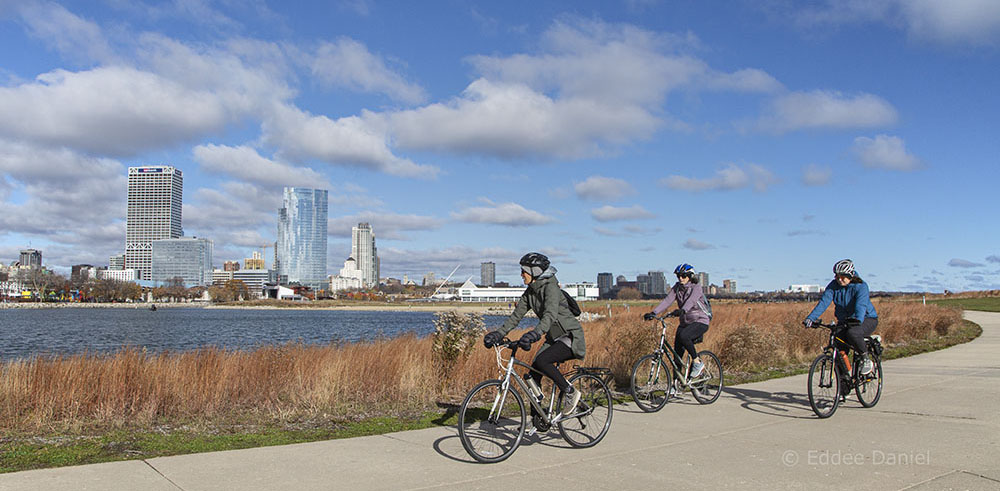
(937, 426)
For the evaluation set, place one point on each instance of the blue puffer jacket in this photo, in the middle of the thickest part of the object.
(849, 302)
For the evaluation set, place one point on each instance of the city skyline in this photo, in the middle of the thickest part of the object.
(760, 141)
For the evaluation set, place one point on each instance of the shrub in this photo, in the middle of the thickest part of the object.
(455, 335)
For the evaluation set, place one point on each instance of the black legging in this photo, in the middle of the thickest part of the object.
(685, 336)
(855, 335)
(545, 362)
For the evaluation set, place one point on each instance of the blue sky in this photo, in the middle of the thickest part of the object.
(757, 140)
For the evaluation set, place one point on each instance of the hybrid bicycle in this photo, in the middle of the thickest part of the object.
(832, 377)
(493, 417)
(655, 374)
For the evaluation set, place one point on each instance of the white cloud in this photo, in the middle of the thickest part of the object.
(612, 213)
(816, 175)
(71, 35)
(993, 259)
(600, 188)
(508, 214)
(397, 262)
(385, 225)
(820, 109)
(962, 263)
(884, 152)
(730, 178)
(246, 164)
(348, 63)
(697, 245)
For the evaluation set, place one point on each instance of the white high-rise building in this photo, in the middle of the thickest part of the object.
(300, 253)
(154, 213)
(365, 253)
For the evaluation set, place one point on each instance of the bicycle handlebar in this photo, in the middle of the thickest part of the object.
(819, 323)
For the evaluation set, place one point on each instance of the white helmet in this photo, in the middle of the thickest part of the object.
(844, 267)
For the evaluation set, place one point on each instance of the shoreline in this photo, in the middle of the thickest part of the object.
(464, 309)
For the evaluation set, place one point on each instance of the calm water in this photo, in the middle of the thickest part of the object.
(27, 332)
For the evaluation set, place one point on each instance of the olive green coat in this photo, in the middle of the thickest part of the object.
(544, 297)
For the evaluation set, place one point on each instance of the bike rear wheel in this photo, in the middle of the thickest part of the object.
(869, 389)
(824, 386)
(707, 387)
(491, 422)
(592, 418)
(651, 381)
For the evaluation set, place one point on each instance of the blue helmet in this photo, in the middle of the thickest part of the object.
(684, 269)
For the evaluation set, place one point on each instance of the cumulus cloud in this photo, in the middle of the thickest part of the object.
(821, 109)
(962, 263)
(385, 225)
(600, 188)
(993, 259)
(246, 164)
(697, 245)
(884, 152)
(730, 178)
(69, 34)
(816, 175)
(612, 213)
(348, 63)
(507, 214)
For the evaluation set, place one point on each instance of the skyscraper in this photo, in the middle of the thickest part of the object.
(605, 282)
(188, 258)
(31, 258)
(363, 251)
(154, 212)
(300, 252)
(659, 283)
(487, 274)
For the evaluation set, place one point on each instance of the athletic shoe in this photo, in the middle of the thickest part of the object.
(570, 400)
(866, 365)
(697, 368)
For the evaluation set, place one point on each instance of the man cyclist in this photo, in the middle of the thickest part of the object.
(562, 331)
(852, 307)
(692, 309)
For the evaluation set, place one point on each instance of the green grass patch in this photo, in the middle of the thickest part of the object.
(987, 304)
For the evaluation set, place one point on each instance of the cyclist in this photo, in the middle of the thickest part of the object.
(852, 307)
(692, 309)
(562, 331)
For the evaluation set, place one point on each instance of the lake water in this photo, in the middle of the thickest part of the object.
(27, 332)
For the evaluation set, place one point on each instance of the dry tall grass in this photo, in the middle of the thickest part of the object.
(293, 382)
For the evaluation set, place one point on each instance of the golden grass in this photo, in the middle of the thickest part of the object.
(294, 382)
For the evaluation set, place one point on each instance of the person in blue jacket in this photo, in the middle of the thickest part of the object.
(852, 307)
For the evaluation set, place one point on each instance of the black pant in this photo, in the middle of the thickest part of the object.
(854, 336)
(683, 339)
(545, 363)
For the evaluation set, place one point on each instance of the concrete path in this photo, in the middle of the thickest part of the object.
(937, 426)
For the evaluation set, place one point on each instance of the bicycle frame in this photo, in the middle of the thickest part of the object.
(675, 360)
(833, 351)
(508, 374)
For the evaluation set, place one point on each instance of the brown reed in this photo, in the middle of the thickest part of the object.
(399, 376)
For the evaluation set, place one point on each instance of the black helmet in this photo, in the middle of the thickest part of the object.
(844, 267)
(534, 263)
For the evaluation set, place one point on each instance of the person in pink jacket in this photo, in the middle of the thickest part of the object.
(693, 311)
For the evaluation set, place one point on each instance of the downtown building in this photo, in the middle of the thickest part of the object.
(187, 258)
(487, 274)
(365, 254)
(300, 252)
(154, 213)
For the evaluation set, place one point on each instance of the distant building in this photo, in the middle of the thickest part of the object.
(364, 251)
(658, 283)
(619, 280)
(80, 273)
(430, 279)
(605, 282)
(154, 213)
(469, 292)
(116, 262)
(254, 280)
(645, 284)
(31, 258)
(703, 279)
(254, 262)
(231, 266)
(582, 291)
(804, 289)
(188, 258)
(302, 238)
(350, 277)
(729, 286)
(221, 276)
(487, 274)
(117, 275)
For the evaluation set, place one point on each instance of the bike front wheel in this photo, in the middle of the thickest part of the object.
(590, 421)
(824, 386)
(869, 389)
(651, 382)
(491, 422)
(707, 386)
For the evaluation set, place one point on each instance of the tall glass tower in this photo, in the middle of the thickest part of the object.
(154, 212)
(363, 251)
(300, 252)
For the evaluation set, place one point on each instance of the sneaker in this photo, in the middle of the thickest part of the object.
(697, 368)
(569, 402)
(867, 366)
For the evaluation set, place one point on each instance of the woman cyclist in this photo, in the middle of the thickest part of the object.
(852, 307)
(692, 308)
(563, 333)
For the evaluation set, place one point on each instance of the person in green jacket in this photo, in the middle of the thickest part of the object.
(563, 332)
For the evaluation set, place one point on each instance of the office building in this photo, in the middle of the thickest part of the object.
(231, 266)
(187, 258)
(121, 275)
(729, 286)
(81, 273)
(349, 277)
(154, 213)
(658, 283)
(254, 262)
(31, 258)
(645, 284)
(363, 251)
(487, 274)
(300, 253)
(254, 279)
(605, 283)
(703, 279)
(221, 276)
(116, 262)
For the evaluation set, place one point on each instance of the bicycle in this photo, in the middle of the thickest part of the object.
(653, 378)
(831, 380)
(492, 418)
